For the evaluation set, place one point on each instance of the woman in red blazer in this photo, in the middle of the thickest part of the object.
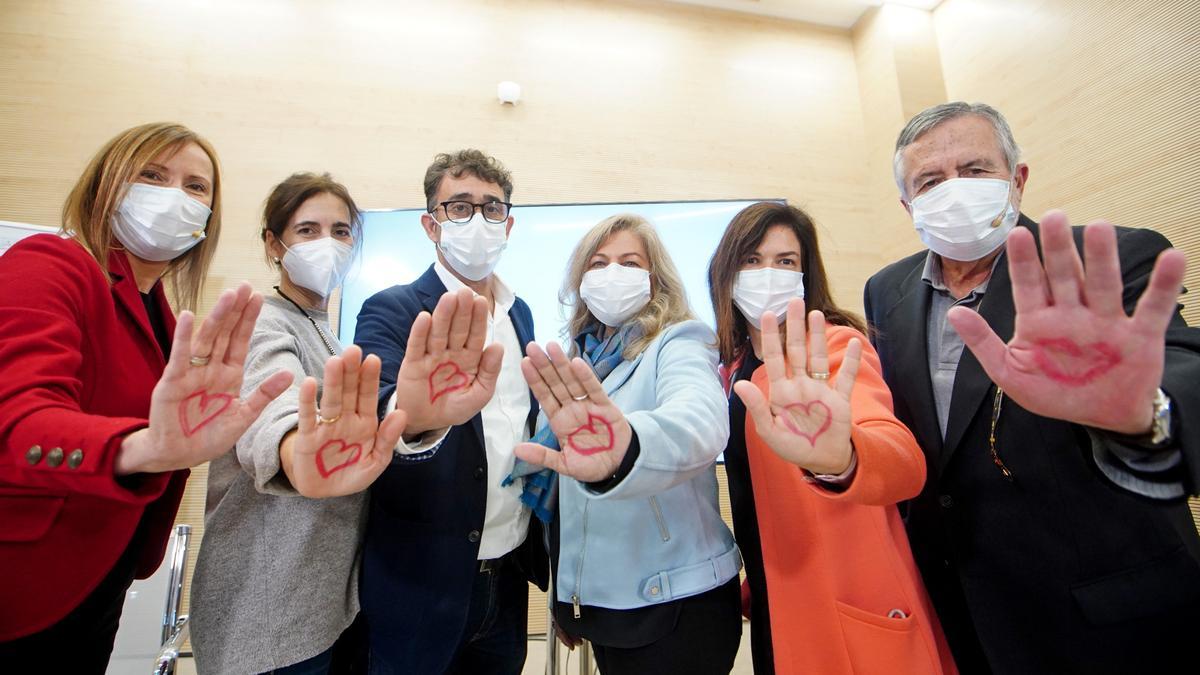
(104, 401)
(816, 463)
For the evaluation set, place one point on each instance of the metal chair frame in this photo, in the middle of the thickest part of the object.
(174, 624)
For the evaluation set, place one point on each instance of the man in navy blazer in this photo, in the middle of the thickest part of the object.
(448, 551)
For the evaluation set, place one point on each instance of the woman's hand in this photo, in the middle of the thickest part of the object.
(568, 640)
(592, 433)
(343, 447)
(806, 419)
(447, 375)
(195, 410)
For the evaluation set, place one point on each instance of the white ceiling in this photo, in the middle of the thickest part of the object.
(836, 13)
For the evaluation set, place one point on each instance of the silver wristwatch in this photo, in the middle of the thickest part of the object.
(1160, 430)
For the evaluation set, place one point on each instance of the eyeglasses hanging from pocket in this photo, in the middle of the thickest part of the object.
(999, 398)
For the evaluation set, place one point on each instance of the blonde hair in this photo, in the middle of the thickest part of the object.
(88, 211)
(668, 303)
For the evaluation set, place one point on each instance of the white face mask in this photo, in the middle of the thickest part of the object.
(159, 223)
(615, 293)
(318, 265)
(473, 248)
(965, 218)
(766, 290)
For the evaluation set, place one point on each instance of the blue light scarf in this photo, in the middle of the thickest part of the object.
(540, 492)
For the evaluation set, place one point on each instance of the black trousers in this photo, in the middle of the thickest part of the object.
(82, 641)
(705, 640)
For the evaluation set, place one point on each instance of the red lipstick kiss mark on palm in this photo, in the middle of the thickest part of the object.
(1065, 361)
(447, 377)
(200, 408)
(593, 437)
(815, 413)
(350, 454)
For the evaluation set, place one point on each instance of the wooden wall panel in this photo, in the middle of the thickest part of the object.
(899, 74)
(1104, 99)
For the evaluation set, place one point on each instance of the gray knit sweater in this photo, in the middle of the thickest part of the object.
(277, 577)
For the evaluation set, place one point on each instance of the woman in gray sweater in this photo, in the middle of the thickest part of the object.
(276, 579)
(276, 582)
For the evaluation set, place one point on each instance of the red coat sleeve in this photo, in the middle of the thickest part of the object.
(55, 304)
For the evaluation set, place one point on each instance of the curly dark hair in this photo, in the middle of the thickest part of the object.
(469, 161)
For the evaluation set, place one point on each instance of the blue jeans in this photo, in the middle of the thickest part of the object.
(495, 637)
(317, 665)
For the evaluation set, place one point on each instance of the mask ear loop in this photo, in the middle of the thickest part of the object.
(286, 250)
(999, 219)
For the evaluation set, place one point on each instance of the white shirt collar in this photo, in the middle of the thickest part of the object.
(503, 294)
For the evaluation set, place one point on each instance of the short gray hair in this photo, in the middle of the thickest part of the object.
(931, 117)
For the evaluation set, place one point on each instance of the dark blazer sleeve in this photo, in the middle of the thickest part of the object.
(875, 304)
(868, 314)
(1139, 250)
(46, 290)
(383, 326)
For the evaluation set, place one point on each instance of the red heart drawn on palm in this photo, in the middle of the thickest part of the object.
(348, 454)
(200, 408)
(1065, 361)
(811, 415)
(593, 437)
(447, 377)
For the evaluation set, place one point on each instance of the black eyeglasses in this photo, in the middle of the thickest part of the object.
(460, 211)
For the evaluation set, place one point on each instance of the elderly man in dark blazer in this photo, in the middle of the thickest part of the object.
(1052, 534)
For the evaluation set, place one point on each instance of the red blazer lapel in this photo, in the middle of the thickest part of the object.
(129, 298)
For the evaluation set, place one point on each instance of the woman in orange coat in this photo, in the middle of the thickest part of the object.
(816, 463)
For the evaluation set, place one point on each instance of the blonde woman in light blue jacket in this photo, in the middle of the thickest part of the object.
(644, 566)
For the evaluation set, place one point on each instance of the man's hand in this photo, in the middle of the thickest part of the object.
(1075, 355)
(447, 375)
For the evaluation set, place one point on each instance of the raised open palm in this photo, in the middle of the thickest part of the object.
(1075, 355)
(196, 412)
(593, 434)
(806, 417)
(447, 375)
(342, 448)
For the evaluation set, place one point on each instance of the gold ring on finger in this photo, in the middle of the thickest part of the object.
(581, 397)
(321, 419)
(819, 376)
(200, 360)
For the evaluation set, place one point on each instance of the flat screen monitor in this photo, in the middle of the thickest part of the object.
(397, 251)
